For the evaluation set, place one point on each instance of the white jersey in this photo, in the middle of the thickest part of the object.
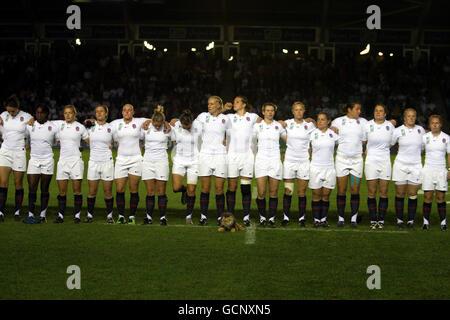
(322, 145)
(100, 141)
(351, 136)
(379, 137)
(187, 141)
(128, 136)
(240, 132)
(436, 149)
(268, 136)
(14, 130)
(69, 136)
(155, 143)
(297, 143)
(42, 137)
(409, 144)
(213, 133)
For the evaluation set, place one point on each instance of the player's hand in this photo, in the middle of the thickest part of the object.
(224, 142)
(448, 175)
(228, 106)
(146, 124)
(393, 122)
(336, 130)
(30, 122)
(167, 127)
(1, 121)
(173, 121)
(283, 123)
(259, 120)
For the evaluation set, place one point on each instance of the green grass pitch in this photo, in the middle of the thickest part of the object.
(192, 262)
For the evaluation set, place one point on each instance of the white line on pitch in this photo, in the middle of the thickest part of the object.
(250, 235)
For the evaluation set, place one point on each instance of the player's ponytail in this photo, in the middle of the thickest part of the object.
(158, 114)
(186, 117)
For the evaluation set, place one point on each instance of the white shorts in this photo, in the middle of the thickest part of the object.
(434, 179)
(322, 178)
(70, 170)
(240, 164)
(181, 168)
(212, 165)
(378, 170)
(299, 170)
(128, 165)
(345, 166)
(272, 168)
(36, 166)
(15, 159)
(403, 173)
(155, 170)
(101, 170)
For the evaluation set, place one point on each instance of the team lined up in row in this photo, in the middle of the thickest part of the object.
(223, 145)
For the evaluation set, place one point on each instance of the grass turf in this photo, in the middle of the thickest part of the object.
(192, 262)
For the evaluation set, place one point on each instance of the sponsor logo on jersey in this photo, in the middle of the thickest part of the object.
(34, 127)
(371, 128)
(316, 135)
(235, 119)
(344, 121)
(207, 118)
(403, 132)
(261, 127)
(62, 126)
(428, 140)
(7, 117)
(120, 126)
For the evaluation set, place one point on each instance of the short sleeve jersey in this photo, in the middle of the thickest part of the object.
(322, 145)
(213, 133)
(268, 136)
(42, 137)
(379, 138)
(240, 131)
(298, 135)
(128, 136)
(14, 130)
(351, 136)
(409, 144)
(69, 136)
(156, 143)
(100, 141)
(436, 149)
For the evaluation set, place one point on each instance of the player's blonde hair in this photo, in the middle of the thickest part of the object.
(298, 103)
(71, 107)
(104, 108)
(408, 110)
(158, 114)
(435, 116)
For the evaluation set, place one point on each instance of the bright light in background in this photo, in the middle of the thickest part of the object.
(78, 42)
(230, 58)
(210, 46)
(149, 46)
(165, 49)
(193, 49)
(235, 42)
(366, 50)
(380, 54)
(296, 52)
(285, 51)
(391, 54)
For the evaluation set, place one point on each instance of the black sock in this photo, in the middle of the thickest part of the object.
(273, 204)
(204, 203)
(325, 205)
(32, 202)
(220, 204)
(91, 205)
(354, 203)
(62, 204)
(340, 201)
(382, 208)
(45, 196)
(302, 207)
(231, 200)
(134, 201)
(120, 202)
(162, 205)
(190, 205)
(109, 206)
(287, 204)
(426, 209)
(315, 205)
(18, 201)
(246, 198)
(399, 205)
(412, 208)
(261, 204)
(3, 196)
(77, 203)
(442, 210)
(149, 205)
(372, 205)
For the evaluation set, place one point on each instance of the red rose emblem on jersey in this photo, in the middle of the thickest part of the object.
(21, 118)
(109, 130)
(418, 130)
(276, 127)
(134, 126)
(331, 135)
(223, 120)
(387, 128)
(78, 128)
(49, 128)
(248, 118)
(443, 140)
(306, 127)
(357, 121)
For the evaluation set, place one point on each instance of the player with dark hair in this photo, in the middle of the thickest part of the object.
(435, 174)
(12, 153)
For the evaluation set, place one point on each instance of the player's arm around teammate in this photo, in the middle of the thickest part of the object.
(70, 164)
(212, 157)
(240, 157)
(435, 174)
(186, 134)
(322, 168)
(155, 168)
(378, 168)
(42, 135)
(296, 161)
(13, 153)
(349, 160)
(101, 163)
(268, 166)
(128, 167)
(407, 169)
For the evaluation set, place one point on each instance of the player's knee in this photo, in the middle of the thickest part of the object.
(288, 188)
